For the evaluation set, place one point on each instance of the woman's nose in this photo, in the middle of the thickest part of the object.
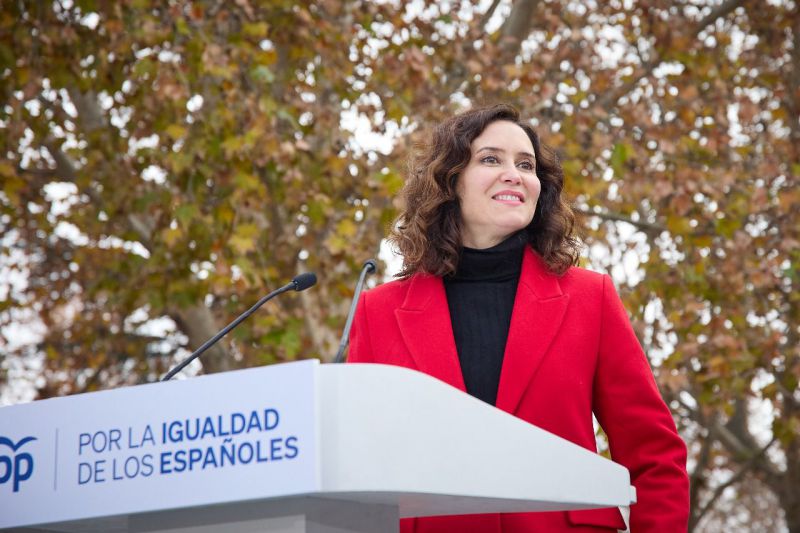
(511, 175)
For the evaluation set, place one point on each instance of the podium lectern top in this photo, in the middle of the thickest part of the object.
(297, 432)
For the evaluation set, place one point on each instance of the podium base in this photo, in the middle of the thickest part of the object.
(289, 515)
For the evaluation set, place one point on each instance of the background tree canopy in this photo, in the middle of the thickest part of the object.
(164, 164)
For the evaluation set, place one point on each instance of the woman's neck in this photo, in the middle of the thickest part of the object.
(497, 263)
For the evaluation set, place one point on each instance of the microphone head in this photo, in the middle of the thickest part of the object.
(370, 265)
(304, 281)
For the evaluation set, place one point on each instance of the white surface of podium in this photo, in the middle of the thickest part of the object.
(298, 447)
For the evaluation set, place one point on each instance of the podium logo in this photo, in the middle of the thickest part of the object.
(17, 467)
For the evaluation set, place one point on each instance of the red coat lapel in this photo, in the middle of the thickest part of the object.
(424, 321)
(539, 309)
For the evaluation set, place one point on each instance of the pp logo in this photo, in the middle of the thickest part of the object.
(17, 467)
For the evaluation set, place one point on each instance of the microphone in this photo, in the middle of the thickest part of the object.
(369, 267)
(298, 283)
(304, 281)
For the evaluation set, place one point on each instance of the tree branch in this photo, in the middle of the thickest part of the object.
(65, 168)
(647, 227)
(89, 112)
(741, 446)
(722, 10)
(518, 24)
(38, 173)
(735, 478)
(323, 339)
(696, 479)
(610, 98)
(142, 225)
(738, 446)
(197, 321)
(488, 15)
(793, 97)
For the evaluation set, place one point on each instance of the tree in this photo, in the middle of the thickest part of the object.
(206, 155)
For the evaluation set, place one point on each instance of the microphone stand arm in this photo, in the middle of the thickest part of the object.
(369, 267)
(210, 342)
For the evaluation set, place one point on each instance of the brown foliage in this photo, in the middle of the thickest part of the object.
(178, 160)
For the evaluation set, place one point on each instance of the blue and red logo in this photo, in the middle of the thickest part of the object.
(17, 467)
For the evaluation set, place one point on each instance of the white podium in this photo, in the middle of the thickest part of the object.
(298, 447)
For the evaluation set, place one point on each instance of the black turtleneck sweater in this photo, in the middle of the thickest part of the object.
(481, 297)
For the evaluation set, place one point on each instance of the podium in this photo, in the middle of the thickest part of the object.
(297, 447)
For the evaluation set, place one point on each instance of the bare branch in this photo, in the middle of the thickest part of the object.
(89, 112)
(616, 217)
(65, 168)
(722, 10)
(518, 24)
(738, 446)
(742, 446)
(488, 15)
(198, 323)
(611, 97)
(37, 173)
(735, 478)
(324, 339)
(793, 97)
(697, 477)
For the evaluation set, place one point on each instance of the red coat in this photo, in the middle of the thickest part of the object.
(570, 352)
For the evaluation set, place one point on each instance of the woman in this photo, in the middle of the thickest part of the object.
(489, 301)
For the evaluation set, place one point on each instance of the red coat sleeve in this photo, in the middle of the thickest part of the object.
(640, 429)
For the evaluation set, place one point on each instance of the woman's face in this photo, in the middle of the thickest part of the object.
(498, 189)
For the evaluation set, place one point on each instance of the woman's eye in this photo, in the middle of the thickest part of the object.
(527, 165)
(489, 159)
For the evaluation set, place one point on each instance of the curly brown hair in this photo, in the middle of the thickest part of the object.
(427, 233)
